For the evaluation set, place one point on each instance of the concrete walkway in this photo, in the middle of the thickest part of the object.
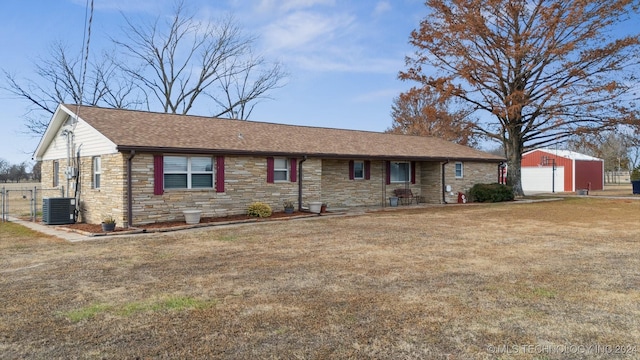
(51, 230)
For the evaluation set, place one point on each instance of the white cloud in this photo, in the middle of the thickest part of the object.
(288, 5)
(303, 29)
(344, 61)
(382, 7)
(325, 35)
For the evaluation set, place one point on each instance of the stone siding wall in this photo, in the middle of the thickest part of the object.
(430, 175)
(109, 200)
(473, 173)
(245, 183)
(95, 203)
(46, 175)
(46, 179)
(339, 191)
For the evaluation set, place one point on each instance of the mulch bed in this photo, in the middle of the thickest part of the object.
(176, 225)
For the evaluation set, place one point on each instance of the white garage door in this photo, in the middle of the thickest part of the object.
(540, 179)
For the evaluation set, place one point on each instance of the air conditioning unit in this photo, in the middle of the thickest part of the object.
(58, 211)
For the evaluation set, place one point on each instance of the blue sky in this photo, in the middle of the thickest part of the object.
(342, 56)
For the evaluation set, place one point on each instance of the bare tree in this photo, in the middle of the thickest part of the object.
(173, 66)
(4, 170)
(614, 147)
(191, 59)
(36, 171)
(420, 111)
(18, 172)
(241, 92)
(59, 80)
(15, 172)
(536, 71)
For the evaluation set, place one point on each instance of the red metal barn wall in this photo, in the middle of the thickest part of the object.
(535, 159)
(589, 175)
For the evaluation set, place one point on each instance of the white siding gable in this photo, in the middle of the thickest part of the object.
(89, 140)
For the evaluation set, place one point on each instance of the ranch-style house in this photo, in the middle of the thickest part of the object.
(143, 167)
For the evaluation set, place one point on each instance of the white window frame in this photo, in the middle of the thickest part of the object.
(190, 172)
(357, 163)
(280, 170)
(391, 174)
(96, 164)
(459, 169)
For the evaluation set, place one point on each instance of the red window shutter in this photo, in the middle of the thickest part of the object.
(294, 169)
(158, 174)
(367, 170)
(388, 163)
(413, 172)
(351, 170)
(220, 174)
(270, 170)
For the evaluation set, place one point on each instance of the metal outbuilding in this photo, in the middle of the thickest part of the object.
(551, 170)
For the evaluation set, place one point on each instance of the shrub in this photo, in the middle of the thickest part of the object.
(259, 209)
(491, 193)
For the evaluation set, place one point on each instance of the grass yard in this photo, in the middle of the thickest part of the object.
(614, 190)
(547, 280)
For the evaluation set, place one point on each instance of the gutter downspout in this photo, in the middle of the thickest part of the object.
(444, 188)
(129, 190)
(304, 158)
(383, 176)
(77, 192)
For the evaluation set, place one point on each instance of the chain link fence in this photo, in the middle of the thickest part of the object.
(24, 200)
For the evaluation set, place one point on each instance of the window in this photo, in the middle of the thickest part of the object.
(188, 172)
(97, 170)
(459, 170)
(358, 170)
(56, 173)
(280, 169)
(400, 171)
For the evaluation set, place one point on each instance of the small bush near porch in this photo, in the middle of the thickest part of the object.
(548, 280)
(491, 193)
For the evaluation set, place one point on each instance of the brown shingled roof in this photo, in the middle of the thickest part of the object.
(148, 131)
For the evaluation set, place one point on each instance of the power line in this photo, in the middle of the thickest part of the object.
(87, 36)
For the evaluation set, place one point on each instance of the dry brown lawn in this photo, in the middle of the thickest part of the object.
(614, 190)
(547, 280)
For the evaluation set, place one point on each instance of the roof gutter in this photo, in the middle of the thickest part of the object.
(227, 152)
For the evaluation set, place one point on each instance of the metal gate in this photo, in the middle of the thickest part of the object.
(24, 201)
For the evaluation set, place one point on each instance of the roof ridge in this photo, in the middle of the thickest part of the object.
(71, 106)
